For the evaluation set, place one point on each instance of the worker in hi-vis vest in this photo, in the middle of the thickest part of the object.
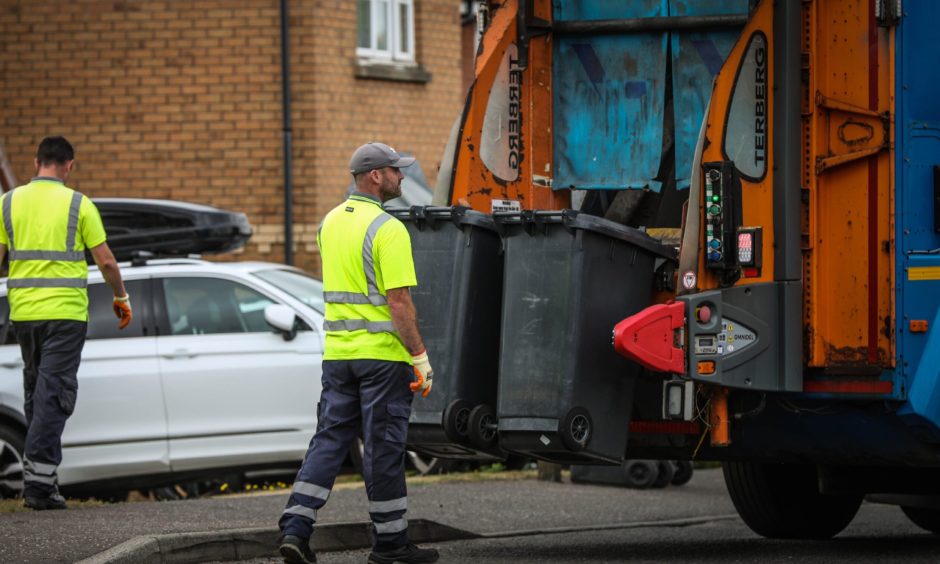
(373, 362)
(46, 228)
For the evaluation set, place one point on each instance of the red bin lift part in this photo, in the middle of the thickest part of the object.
(649, 337)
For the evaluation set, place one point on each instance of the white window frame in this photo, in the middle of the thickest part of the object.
(390, 15)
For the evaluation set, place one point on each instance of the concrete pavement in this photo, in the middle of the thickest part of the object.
(217, 527)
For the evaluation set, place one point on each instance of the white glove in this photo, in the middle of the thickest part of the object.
(423, 373)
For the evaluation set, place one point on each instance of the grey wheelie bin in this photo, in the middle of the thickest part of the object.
(564, 394)
(459, 264)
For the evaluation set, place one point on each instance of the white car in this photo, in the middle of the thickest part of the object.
(220, 370)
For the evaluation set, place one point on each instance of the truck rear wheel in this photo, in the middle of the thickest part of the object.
(782, 501)
(927, 518)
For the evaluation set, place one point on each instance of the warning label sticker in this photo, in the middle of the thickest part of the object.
(506, 206)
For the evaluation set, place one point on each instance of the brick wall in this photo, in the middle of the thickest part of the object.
(182, 100)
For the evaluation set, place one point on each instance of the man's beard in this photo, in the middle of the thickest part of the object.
(390, 189)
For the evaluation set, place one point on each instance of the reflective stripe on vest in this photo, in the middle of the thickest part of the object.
(374, 296)
(68, 255)
(359, 324)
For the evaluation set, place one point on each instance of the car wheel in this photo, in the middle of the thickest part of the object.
(12, 442)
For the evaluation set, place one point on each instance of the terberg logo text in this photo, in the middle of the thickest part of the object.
(515, 114)
(760, 105)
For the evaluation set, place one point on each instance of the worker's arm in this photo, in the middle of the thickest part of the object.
(108, 266)
(405, 319)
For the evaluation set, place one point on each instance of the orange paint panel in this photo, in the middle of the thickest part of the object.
(474, 184)
(847, 180)
(757, 197)
(849, 237)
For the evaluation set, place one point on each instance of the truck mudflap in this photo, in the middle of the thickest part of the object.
(654, 338)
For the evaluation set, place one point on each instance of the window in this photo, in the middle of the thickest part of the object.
(747, 130)
(385, 30)
(307, 289)
(205, 306)
(103, 324)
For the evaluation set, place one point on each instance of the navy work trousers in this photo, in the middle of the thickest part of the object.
(52, 351)
(373, 397)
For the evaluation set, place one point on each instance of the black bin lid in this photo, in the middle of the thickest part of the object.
(459, 215)
(532, 220)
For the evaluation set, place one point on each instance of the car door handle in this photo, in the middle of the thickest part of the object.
(13, 364)
(179, 353)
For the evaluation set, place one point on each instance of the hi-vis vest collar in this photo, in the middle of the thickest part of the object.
(68, 255)
(373, 296)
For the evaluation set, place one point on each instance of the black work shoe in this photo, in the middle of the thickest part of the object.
(296, 550)
(409, 554)
(54, 501)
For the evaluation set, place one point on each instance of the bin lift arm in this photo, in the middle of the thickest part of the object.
(654, 337)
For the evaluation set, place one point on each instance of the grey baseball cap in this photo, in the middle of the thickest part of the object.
(377, 155)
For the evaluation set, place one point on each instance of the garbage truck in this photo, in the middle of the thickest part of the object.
(701, 230)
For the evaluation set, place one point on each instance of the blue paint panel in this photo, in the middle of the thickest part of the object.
(574, 10)
(607, 99)
(609, 90)
(696, 59)
(917, 137)
(608, 96)
(695, 56)
(707, 8)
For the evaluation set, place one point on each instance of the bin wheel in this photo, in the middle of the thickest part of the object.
(576, 429)
(639, 474)
(683, 473)
(482, 427)
(456, 420)
(665, 473)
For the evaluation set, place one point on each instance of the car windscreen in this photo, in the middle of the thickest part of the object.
(305, 288)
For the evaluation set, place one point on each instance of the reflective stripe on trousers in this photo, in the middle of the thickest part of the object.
(51, 351)
(373, 397)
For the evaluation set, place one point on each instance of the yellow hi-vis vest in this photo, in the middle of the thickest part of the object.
(46, 228)
(364, 250)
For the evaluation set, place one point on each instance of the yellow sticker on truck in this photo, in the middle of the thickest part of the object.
(923, 273)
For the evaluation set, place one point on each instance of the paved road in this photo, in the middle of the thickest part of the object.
(612, 516)
(479, 507)
(879, 533)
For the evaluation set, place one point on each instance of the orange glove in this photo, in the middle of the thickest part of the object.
(423, 373)
(122, 309)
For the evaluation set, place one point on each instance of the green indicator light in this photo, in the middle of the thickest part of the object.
(715, 198)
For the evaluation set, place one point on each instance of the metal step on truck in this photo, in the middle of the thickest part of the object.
(696, 230)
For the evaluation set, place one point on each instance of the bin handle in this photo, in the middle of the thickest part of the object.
(419, 216)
